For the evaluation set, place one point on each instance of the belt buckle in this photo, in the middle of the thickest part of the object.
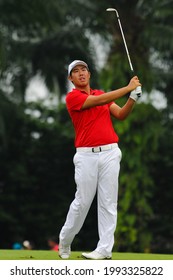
(96, 149)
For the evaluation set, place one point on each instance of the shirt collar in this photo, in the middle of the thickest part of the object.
(83, 91)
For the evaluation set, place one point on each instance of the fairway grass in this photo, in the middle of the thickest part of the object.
(52, 255)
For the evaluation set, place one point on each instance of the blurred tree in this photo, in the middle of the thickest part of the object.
(161, 224)
(40, 36)
(139, 142)
(43, 37)
(148, 30)
(36, 190)
(143, 23)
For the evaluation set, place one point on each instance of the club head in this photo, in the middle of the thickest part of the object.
(112, 10)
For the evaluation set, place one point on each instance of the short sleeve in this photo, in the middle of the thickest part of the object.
(75, 100)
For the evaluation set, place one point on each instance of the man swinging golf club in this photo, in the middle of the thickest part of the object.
(97, 158)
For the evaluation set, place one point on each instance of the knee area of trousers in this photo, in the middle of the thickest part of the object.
(80, 206)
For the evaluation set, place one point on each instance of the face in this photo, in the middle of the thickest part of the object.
(80, 76)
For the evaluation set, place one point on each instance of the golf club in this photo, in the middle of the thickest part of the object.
(124, 40)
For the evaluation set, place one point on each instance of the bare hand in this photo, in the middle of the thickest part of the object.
(134, 83)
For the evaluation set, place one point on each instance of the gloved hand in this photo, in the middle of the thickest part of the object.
(136, 93)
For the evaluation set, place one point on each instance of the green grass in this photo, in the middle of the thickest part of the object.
(51, 255)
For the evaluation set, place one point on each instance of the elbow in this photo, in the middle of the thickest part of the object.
(121, 117)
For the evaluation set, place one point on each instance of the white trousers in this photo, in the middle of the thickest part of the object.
(95, 172)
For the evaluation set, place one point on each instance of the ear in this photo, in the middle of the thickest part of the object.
(70, 78)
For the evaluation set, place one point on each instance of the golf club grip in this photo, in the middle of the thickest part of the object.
(139, 88)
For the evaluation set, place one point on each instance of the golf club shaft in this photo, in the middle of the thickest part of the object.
(138, 89)
(122, 33)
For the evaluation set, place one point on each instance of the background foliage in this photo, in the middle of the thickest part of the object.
(36, 141)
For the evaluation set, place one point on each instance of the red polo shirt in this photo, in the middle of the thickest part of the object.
(93, 126)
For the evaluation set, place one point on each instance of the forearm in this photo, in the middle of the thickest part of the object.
(105, 98)
(122, 113)
(126, 109)
(113, 95)
(108, 97)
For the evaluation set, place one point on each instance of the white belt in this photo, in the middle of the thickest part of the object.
(97, 149)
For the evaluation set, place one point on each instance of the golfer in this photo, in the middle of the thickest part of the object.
(97, 158)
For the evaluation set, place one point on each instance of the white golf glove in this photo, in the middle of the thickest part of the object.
(136, 93)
